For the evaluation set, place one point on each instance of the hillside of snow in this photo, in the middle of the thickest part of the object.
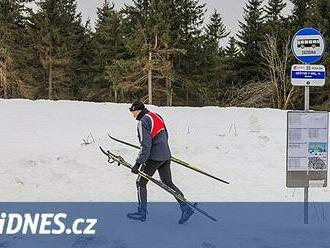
(49, 152)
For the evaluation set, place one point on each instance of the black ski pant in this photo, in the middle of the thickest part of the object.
(164, 170)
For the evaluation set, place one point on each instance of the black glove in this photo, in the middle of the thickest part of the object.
(135, 168)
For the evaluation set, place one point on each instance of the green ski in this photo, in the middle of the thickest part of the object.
(175, 160)
(121, 161)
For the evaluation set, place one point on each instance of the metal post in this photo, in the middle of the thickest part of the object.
(306, 205)
(306, 188)
(307, 98)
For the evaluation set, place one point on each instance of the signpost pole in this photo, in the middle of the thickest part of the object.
(306, 188)
(306, 98)
(308, 46)
(306, 205)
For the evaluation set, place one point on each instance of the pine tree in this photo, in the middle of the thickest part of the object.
(250, 41)
(215, 31)
(273, 11)
(186, 22)
(145, 25)
(276, 25)
(300, 13)
(212, 69)
(318, 16)
(12, 36)
(154, 42)
(108, 36)
(231, 61)
(231, 64)
(231, 50)
(83, 64)
(108, 46)
(185, 19)
(58, 32)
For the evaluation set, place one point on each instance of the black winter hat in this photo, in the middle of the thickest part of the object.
(137, 105)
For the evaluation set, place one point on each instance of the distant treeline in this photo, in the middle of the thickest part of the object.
(160, 51)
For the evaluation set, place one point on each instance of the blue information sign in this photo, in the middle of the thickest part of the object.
(308, 74)
(308, 45)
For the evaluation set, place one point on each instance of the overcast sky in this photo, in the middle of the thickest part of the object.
(231, 10)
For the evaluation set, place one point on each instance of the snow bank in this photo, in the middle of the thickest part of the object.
(49, 152)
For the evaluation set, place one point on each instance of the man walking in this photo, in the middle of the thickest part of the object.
(154, 155)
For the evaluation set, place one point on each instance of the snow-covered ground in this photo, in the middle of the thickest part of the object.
(44, 158)
(49, 152)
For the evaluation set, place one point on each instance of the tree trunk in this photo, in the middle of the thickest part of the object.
(1, 79)
(116, 95)
(149, 80)
(5, 86)
(50, 82)
(171, 97)
(122, 94)
(169, 91)
(13, 92)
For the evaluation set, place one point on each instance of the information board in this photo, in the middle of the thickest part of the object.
(307, 148)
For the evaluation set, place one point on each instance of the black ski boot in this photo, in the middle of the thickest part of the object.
(187, 212)
(140, 215)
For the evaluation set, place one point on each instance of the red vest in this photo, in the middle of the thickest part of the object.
(157, 124)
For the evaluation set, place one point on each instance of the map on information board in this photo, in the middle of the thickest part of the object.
(307, 146)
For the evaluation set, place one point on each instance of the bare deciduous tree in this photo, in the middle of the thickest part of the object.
(254, 94)
(276, 91)
(276, 62)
